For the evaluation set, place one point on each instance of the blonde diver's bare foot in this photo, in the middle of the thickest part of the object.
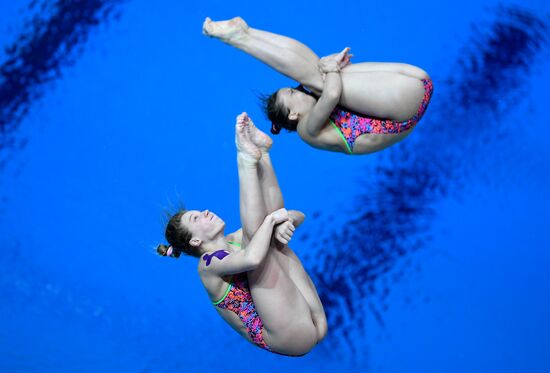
(245, 147)
(224, 30)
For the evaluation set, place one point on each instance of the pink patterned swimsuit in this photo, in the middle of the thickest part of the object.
(238, 299)
(351, 125)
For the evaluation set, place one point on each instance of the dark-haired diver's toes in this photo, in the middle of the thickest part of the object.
(224, 30)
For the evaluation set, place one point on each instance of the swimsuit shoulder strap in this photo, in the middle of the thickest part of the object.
(230, 279)
(225, 294)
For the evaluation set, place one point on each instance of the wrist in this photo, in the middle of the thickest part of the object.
(332, 70)
(331, 76)
(270, 220)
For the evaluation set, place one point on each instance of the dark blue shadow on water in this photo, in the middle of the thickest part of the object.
(49, 42)
(359, 259)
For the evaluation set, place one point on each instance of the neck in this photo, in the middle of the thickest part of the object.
(218, 243)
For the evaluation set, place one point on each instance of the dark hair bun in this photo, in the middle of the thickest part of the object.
(275, 129)
(163, 251)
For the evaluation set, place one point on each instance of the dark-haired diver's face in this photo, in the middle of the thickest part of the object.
(203, 225)
(296, 101)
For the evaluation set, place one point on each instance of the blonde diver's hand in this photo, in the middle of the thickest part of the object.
(284, 232)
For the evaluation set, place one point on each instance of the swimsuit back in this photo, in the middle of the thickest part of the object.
(351, 125)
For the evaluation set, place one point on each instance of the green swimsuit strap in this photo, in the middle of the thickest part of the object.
(341, 135)
(224, 296)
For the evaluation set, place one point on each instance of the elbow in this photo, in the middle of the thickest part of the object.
(252, 261)
(330, 99)
(255, 263)
(332, 95)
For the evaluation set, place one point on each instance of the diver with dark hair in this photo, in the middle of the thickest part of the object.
(351, 108)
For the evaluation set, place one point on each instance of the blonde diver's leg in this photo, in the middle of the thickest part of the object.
(288, 327)
(288, 260)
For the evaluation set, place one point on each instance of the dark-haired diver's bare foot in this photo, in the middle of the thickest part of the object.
(259, 138)
(224, 30)
(245, 147)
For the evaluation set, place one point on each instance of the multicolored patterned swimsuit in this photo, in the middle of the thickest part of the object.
(238, 299)
(351, 125)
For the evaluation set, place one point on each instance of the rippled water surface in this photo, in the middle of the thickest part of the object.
(429, 256)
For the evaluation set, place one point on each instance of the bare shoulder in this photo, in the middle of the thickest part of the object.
(302, 131)
(236, 236)
(201, 266)
(214, 284)
(206, 259)
(327, 139)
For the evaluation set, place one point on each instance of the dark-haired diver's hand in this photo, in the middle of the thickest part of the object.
(343, 58)
(284, 232)
(335, 62)
(346, 61)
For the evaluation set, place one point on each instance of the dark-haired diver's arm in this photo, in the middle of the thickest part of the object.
(283, 54)
(318, 116)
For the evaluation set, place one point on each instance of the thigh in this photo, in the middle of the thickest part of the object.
(401, 68)
(382, 94)
(291, 264)
(286, 317)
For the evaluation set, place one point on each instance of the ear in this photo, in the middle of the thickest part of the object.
(195, 242)
(293, 115)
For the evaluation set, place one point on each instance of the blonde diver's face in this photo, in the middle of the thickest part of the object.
(297, 102)
(203, 225)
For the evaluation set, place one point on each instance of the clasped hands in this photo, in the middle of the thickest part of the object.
(335, 62)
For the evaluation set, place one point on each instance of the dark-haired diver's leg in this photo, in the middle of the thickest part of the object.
(288, 260)
(397, 87)
(288, 327)
(289, 56)
(286, 55)
(401, 68)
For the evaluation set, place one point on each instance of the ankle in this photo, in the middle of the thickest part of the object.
(246, 160)
(238, 39)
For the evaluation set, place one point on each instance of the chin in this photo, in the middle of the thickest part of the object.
(312, 101)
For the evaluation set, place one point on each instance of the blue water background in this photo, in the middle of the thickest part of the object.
(139, 116)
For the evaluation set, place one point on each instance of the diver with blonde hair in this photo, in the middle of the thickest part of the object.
(254, 280)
